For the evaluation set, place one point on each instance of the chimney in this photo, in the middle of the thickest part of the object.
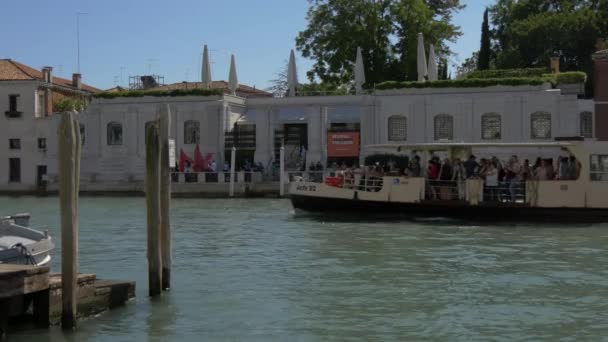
(76, 81)
(600, 74)
(555, 65)
(47, 74)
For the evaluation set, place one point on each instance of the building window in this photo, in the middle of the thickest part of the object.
(14, 144)
(192, 132)
(114, 133)
(491, 126)
(42, 144)
(397, 128)
(14, 170)
(40, 105)
(13, 106)
(12, 103)
(444, 127)
(586, 123)
(82, 135)
(540, 125)
(599, 167)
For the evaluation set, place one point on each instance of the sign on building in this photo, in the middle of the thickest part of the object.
(343, 144)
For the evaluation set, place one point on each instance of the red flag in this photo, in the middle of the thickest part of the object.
(199, 163)
(207, 160)
(182, 160)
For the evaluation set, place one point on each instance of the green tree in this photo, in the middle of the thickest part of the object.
(528, 32)
(386, 31)
(469, 64)
(485, 49)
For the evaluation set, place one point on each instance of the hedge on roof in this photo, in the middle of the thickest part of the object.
(463, 83)
(160, 93)
(507, 73)
(570, 77)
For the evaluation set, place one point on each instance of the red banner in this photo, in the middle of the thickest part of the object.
(343, 144)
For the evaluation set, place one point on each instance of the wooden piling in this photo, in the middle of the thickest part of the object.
(282, 172)
(153, 208)
(69, 169)
(165, 195)
(232, 170)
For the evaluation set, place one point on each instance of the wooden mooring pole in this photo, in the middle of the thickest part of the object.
(153, 208)
(165, 195)
(232, 170)
(282, 171)
(69, 183)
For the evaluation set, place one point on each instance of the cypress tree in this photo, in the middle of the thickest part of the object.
(483, 63)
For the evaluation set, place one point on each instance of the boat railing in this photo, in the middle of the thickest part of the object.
(459, 190)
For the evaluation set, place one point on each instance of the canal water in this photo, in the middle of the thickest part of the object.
(253, 270)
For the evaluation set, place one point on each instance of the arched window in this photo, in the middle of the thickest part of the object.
(444, 127)
(114, 133)
(586, 124)
(82, 135)
(491, 126)
(540, 125)
(192, 132)
(397, 128)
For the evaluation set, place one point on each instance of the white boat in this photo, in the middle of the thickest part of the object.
(20, 244)
(582, 199)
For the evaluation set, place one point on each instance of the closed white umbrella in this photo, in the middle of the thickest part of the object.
(432, 64)
(206, 69)
(292, 75)
(233, 82)
(359, 72)
(421, 59)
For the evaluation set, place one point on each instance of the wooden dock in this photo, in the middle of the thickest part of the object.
(35, 293)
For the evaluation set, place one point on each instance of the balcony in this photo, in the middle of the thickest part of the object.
(13, 114)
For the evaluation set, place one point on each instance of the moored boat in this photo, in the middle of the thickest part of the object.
(583, 199)
(20, 244)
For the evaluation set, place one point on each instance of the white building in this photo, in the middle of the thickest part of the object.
(113, 129)
(26, 98)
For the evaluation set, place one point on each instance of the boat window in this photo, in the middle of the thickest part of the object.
(599, 167)
(192, 132)
(586, 124)
(444, 127)
(491, 126)
(397, 128)
(540, 125)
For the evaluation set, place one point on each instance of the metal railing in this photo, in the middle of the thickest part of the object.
(216, 177)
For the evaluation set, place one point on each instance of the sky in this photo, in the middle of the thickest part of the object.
(119, 38)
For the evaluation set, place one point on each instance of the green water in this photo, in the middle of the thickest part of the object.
(253, 270)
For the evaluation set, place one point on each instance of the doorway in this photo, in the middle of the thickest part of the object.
(14, 170)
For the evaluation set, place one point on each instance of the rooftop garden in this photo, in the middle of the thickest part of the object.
(496, 77)
(159, 93)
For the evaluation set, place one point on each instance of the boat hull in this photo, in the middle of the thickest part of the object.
(449, 209)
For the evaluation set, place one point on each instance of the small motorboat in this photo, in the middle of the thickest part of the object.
(20, 244)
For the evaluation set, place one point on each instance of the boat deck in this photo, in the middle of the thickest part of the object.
(8, 241)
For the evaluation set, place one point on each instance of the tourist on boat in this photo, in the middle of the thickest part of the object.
(526, 170)
(445, 180)
(471, 167)
(491, 181)
(574, 168)
(459, 176)
(541, 172)
(432, 174)
(513, 176)
(414, 167)
(564, 168)
(550, 169)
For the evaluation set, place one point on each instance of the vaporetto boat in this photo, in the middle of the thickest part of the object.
(582, 199)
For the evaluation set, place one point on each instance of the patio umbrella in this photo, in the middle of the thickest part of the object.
(199, 162)
(233, 82)
(206, 69)
(432, 64)
(292, 75)
(359, 72)
(421, 59)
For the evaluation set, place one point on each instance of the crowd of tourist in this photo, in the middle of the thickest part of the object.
(502, 180)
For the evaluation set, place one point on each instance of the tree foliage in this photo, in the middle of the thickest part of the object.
(528, 32)
(386, 31)
(485, 49)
